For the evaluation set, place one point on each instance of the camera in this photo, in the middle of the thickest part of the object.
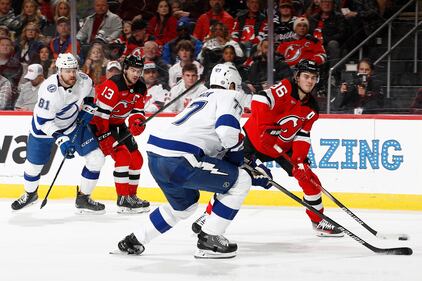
(362, 79)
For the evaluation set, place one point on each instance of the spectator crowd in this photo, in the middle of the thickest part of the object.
(181, 40)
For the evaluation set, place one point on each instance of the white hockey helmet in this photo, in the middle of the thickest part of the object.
(66, 60)
(224, 75)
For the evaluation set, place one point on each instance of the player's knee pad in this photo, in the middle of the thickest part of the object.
(242, 185)
(122, 156)
(32, 169)
(136, 160)
(95, 160)
(172, 216)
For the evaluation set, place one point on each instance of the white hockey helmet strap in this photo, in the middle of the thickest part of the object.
(224, 75)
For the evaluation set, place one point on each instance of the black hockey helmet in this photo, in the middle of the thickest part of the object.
(133, 61)
(307, 66)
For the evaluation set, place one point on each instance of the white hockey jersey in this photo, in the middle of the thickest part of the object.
(57, 108)
(208, 125)
(175, 72)
(156, 97)
(181, 103)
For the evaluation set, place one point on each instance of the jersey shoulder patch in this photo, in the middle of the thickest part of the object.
(52, 88)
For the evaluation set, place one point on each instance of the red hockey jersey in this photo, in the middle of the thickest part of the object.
(297, 50)
(116, 101)
(280, 120)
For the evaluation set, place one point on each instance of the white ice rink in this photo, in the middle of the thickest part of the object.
(274, 244)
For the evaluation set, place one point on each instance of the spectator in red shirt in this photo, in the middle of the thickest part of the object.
(163, 25)
(216, 13)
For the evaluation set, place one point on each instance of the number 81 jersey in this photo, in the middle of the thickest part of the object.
(116, 101)
(280, 118)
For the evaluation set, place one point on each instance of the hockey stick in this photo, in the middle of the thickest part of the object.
(44, 202)
(120, 141)
(387, 251)
(344, 208)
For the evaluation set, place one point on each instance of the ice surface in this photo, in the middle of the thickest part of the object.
(275, 243)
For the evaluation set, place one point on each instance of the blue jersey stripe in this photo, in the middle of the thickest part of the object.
(42, 121)
(223, 211)
(65, 109)
(158, 221)
(175, 145)
(227, 120)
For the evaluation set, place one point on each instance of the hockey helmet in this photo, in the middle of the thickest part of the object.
(66, 60)
(133, 61)
(224, 75)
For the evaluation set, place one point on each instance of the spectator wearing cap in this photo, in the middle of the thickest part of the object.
(113, 68)
(169, 54)
(215, 14)
(163, 25)
(250, 28)
(283, 22)
(28, 91)
(136, 41)
(102, 19)
(305, 46)
(8, 17)
(10, 67)
(152, 54)
(157, 93)
(189, 78)
(185, 53)
(6, 94)
(62, 42)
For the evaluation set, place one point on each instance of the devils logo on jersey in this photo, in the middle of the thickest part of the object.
(287, 127)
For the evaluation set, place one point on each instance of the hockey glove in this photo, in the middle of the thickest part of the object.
(302, 171)
(261, 177)
(136, 124)
(234, 157)
(86, 114)
(66, 147)
(106, 142)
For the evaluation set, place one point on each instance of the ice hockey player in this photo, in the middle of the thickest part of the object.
(64, 108)
(188, 156)
(281, 120)
(120, 97)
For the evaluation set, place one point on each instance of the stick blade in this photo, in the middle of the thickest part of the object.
(401, 237)
(402, 251)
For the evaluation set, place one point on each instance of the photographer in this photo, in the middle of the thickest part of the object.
(363, 95)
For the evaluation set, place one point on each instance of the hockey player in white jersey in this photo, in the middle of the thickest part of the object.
(63, 110)
(200, 150)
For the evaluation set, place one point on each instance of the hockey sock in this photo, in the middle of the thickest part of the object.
(89, 180)
(31, 176)
(134, 171)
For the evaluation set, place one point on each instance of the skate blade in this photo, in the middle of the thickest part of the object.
(328, 235)
(89, 212)
(205, 254)
(120, 253)
(129, 211)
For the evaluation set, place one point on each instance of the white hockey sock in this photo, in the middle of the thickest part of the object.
(227, 205)
(32, 176)
(88, 180)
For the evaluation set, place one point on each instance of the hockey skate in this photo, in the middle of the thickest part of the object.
(197, 225)
(214, 247)
(131, 246)
(326, 229)
(85, 205)
(128, 205)
(144, 203)
(27, 199)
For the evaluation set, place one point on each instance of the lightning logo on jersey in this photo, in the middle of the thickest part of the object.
(211, 167)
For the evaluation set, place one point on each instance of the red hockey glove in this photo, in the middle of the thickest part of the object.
(302, 172)
(136, 124)
(105, 142)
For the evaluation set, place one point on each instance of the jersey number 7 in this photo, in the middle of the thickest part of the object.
(193, 108)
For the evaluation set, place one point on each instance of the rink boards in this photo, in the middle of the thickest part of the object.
(367, 161)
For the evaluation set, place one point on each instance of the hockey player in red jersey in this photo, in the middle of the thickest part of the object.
(281, 121)
(120, 97)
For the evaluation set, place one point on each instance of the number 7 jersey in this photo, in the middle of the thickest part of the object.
(280, 118)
